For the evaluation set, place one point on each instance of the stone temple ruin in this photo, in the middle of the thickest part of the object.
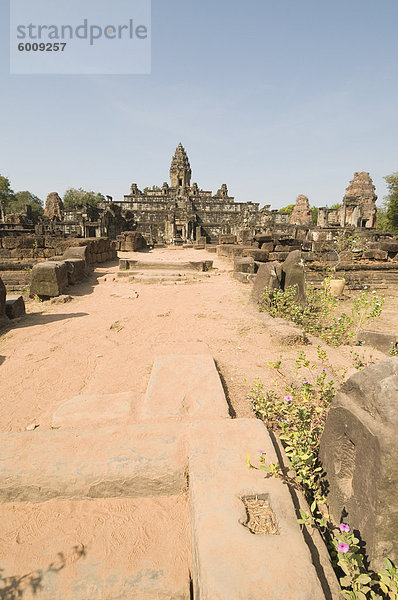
(358, 208)
(182, 213)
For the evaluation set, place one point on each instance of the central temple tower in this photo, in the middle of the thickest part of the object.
(180, 169)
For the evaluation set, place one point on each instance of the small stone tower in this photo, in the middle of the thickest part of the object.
(359, 203)
(180, 170)
(301, 214)
(54, 207)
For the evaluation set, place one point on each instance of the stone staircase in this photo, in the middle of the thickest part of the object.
(164, 272)
(180, 442)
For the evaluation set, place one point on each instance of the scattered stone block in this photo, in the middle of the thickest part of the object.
(132, 241)
(278, 256)
(15, 307)
(293, 273)
(389, 246)
(375, 254)
(263, 238)
(269, 246)
(229, 560)
(227, 238)
(243, 277)
(284, 248)
(244, 265)
(359, 449)
(385, 342)
(77, 270)
(268, 275)
(49, 279)
(258, 255)
(77, 252)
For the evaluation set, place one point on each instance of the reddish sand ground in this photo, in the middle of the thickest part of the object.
(105, 341)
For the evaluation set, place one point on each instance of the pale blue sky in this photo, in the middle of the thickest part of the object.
(275, 98)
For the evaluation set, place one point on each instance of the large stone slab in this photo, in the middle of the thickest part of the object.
(229, 561)
(113, 462)
(293, 274)
(15, 307)
(185, 388)
(385, 342)
(77, 270)
(192, 265)
(269, 275)
(79, 252)
(244, 265)
(49, 279)
(359, 450)
(88, 410)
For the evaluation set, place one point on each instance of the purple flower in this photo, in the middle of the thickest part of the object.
(288, 398)
(305, 381)
(344, 527)
(343, 547)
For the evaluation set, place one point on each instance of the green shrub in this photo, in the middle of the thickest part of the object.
(318, 316)
(297, 413)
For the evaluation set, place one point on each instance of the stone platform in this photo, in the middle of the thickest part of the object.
(164, 272)
(139, 265)
(180, 440)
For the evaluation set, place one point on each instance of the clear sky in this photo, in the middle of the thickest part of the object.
(273, 97)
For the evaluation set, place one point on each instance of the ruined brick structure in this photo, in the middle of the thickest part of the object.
(54, 207)
(301, 214)
(359, 202)
(186, 212)
(86, 222)
(358, 208)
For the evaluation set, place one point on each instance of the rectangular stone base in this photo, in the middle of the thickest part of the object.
(229, 561)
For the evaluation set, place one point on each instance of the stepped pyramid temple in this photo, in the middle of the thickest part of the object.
(183, 211)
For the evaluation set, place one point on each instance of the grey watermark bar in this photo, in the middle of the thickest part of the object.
(80, 37)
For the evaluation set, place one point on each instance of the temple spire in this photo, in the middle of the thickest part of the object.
(180, 169)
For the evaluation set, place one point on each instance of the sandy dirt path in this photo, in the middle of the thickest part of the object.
(104, 341)
(106, 338)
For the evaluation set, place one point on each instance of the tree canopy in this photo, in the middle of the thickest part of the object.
(21, 199)
(78, 198)
(6, 193)
(154, 188)
(287, 209)
(16, 202)
(314, 214)
(391, 203)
